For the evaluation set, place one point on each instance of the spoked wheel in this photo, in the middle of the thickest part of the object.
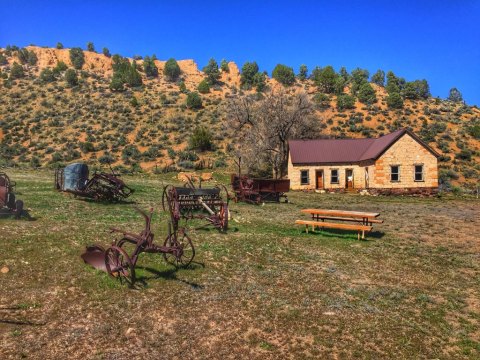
(119, 265)
(182, 248)
(223, 217)
(224, 195)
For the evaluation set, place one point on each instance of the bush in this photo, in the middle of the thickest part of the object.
(106, 52)
(171, 70)
(455, 95)
(474, 131)
(71, 77)
(61, 66)
(27, 57)
(379, 78)
(16, 72)
(59, 45)
(212, 72)
(201, 139)
(394, 100)
(249, 71)
(149, 67)
(77, 57)
(90, 46)
(322, 100)
(3, 60)
(303, 72)
(325, 79)
(464, 154)
(203, 87)
(284, 75)
(224, 66)
(47, 76)
(194, 101)
(130, 154)
(107, 158)
(366, 94)
(345, 101)
(187, 155)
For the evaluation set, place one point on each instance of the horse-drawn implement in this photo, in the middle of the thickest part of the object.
(191, 202)
(116, 260)
(8, 203)
(102, 186)
(256, 191)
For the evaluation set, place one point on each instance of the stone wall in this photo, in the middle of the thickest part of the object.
(406, 153)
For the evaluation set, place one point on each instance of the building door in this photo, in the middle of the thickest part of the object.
(319, 177)
(349, 178)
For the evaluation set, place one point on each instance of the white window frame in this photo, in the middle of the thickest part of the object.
(301, 177)
(392, 173)
(337, 176)
(415, 172)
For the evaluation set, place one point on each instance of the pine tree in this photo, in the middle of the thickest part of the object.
(303, 72)
(455, 95)
(212, 72)
(171, 70)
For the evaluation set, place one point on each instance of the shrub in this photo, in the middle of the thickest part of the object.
(366, 94)
(249, 71)
(194, 101)
(284, 75)
(130, 154)
(182, 87)
(379, 78)
(203, 87)
(107, 158)
(212, 72)
(455, 95)
(394, 100)
(90, 46)
(3, 60)
(474, 131)
(61, 66)
(201, 139)
(322, 100)
(77, 57)
(325, 79)
(106, 52)
(171, 70)
(16, 72)
(187, 155)
(345, 101)
(47, 76)
(303, 72)
(27, 57)
(149, 67)
(224, 66)
(71, 77)
(464, 154)
(59, 45)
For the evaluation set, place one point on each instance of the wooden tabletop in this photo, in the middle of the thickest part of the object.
(353, 214)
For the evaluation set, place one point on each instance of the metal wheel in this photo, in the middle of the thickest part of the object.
(182, 248)
(223, 216)
(224, 195)
(119, 265)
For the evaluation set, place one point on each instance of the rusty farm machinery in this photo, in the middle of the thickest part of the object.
(101, 186)
(192, 202)
(9, 205)
(120, 259)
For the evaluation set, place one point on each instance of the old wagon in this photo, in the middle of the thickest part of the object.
(191, 202)
(8, 203)
(101, 186)
(256, 191)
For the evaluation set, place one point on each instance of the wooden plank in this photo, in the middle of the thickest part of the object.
(334, 225)
(341, 213)
(373, 221)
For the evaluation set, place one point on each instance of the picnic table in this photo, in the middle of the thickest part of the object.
(367, 219)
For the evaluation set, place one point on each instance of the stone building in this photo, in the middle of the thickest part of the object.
(398, 162)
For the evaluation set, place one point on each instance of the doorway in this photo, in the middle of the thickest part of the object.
(349, 178)
(319, 179)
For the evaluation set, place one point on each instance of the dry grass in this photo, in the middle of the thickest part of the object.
(264, 290)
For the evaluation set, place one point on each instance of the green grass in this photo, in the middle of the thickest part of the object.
(266, 289)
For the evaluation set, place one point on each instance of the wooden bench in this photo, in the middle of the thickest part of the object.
(359, 228)
(371, 221)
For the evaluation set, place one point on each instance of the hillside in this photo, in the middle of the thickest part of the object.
(49, 123)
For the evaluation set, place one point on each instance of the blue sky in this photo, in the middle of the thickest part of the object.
(435, 40)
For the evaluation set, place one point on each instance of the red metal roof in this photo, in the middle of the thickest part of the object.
(344, 150)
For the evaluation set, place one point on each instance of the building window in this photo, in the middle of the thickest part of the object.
(418, 172)
(334, 176)
(395, 173)
(304, 180)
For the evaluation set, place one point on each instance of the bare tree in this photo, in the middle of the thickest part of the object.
(262, 128)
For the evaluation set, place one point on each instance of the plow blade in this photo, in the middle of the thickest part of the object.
(95, 255)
